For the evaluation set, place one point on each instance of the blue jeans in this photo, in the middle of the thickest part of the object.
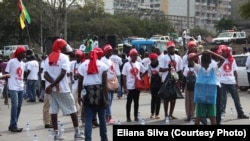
(31, 89)
(16, 98)
(90, 113)
(232, 89)
(119, 91)
(110, 99)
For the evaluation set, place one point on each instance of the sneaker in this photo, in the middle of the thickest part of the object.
(79, 136)
(59, 138)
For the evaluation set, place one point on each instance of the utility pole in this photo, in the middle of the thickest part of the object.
(41, 30)
(65, 20)
(188, 14)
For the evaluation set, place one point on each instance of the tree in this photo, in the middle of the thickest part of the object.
(244, 10)
(224, 24)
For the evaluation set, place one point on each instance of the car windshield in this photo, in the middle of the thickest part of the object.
(225, 34)
(155, 38)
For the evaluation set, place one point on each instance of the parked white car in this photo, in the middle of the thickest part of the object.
(242, 73)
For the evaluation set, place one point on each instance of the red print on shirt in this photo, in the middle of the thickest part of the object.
(75, 71)
(134, 71)
(19, 72)
(227, 67)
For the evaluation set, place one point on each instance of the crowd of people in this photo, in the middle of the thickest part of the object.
(77, 83)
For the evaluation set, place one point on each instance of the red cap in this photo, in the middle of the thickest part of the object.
(107, 48)
(170, 44)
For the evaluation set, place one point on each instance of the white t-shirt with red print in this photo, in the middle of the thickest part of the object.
(16, 70)
(227, 72)
(111, 70)
(146, 62)
(117, 63)
(131, 73)
(33, 67)
(74, 70)
(92, 79)
(176, 66)
(54, 71)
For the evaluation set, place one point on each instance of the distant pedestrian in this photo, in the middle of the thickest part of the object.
(130, 71)
(173, 63)
(155, 85)
(32, 78)
(15, 68)
(117, 60)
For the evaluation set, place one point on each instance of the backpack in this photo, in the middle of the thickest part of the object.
(190, 80)
(94, 96)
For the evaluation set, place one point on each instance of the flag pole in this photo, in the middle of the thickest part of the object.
(28, 32)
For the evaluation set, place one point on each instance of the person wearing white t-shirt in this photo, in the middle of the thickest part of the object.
(58, 89)
(117, 60)
(32, 77)
(199, 39)
(111, 73)
(95, 42)
(93, 72)
(130, 71)
(229, 82)
(184, 39)
(15, 68)
(44, 97)
(82, 46)
(79, 58)
(175, 62)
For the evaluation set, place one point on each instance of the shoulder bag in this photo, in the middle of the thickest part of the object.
(139, 84)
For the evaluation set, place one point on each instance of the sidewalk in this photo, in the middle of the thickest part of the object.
(32, 113)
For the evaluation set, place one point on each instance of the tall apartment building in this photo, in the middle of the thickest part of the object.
(184, 14)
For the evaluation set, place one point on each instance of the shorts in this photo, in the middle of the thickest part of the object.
(63, 101)
(205, 110)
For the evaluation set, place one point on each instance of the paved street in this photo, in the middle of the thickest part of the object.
(32, 113)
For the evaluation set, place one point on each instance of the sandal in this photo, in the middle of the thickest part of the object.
(157, 117)
(152, 116)
(172, 117)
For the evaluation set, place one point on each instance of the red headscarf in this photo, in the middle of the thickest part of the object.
(153, 56)
(225, 49)
(81, 54)
(19, 50)
(56, 50)
(196, 59)
(99, 51)
(93, 57)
